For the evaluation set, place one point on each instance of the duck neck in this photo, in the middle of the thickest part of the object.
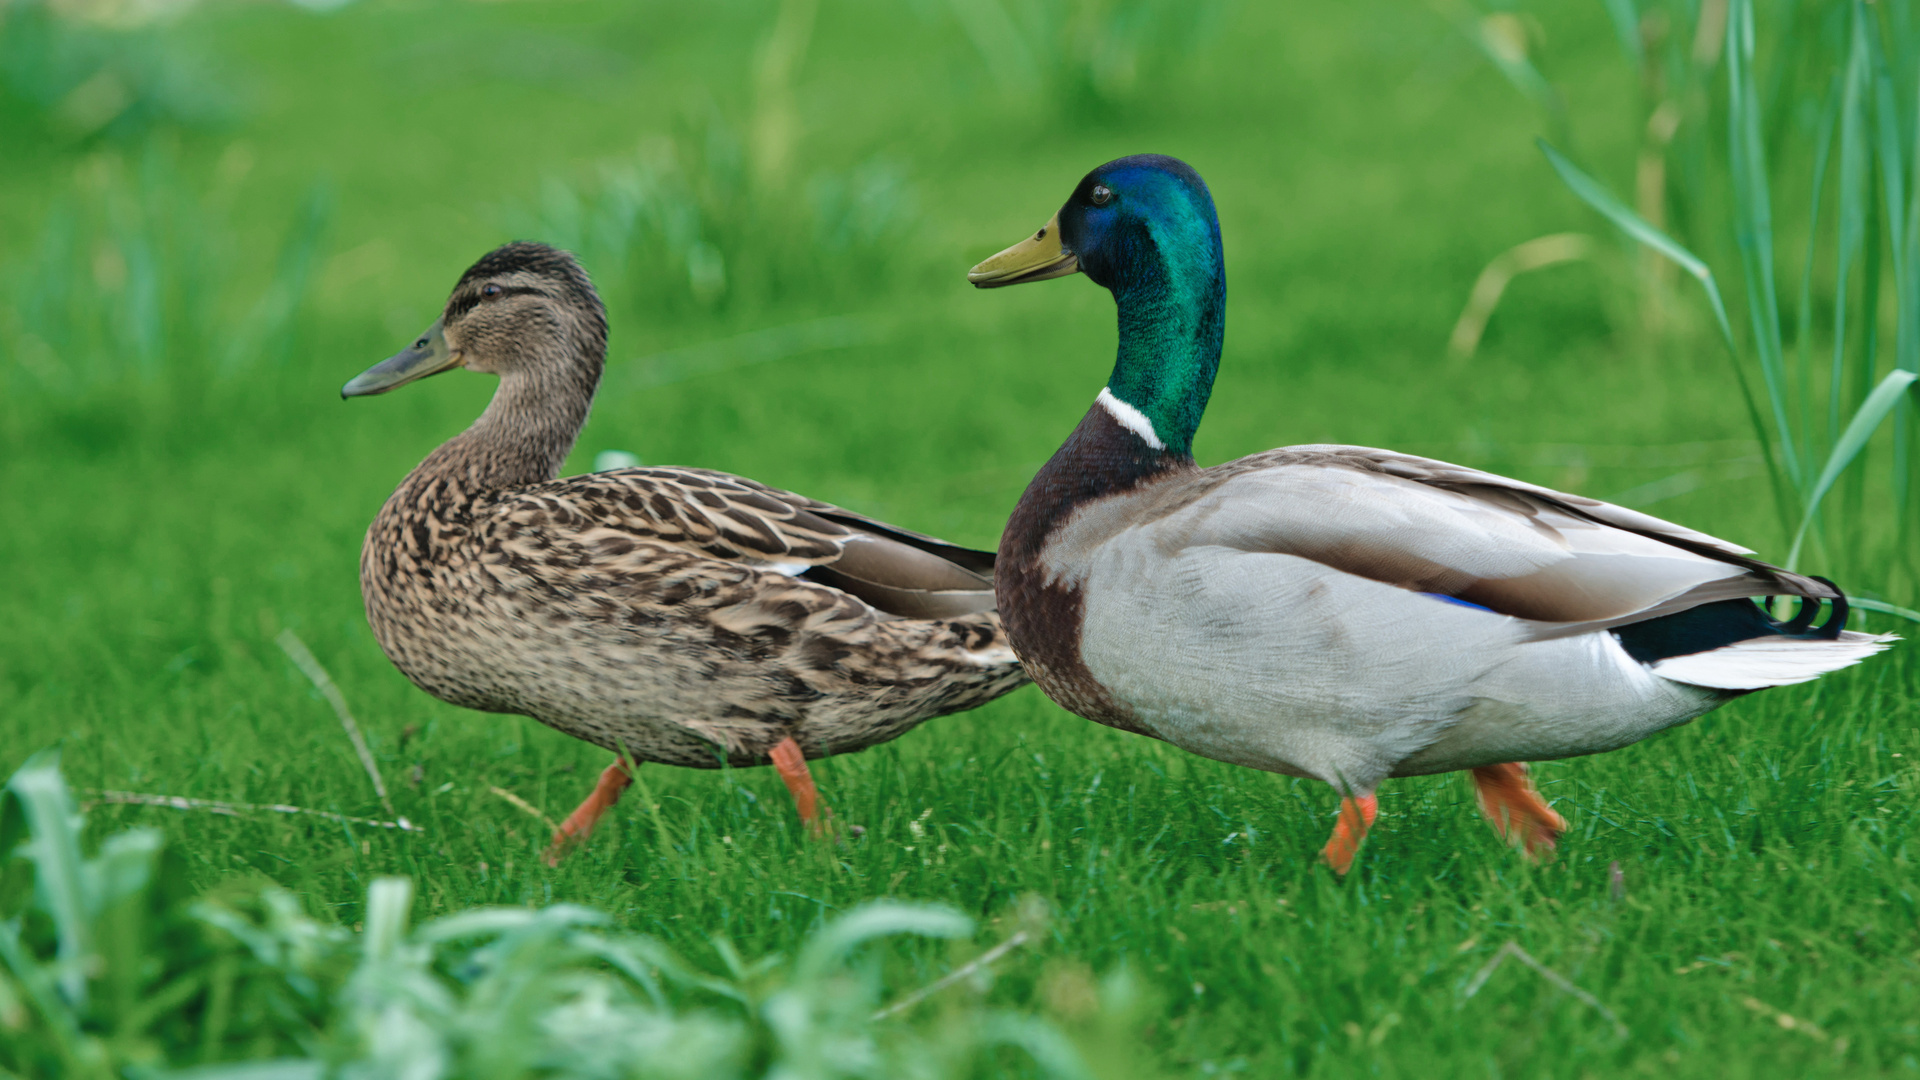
(1140, 428)
(1104, 456)
(1172, 326)
(526, 432)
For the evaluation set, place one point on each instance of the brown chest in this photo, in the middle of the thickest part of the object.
(1044, 621)
(1038, 595)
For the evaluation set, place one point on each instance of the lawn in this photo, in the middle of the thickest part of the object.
(179, 482)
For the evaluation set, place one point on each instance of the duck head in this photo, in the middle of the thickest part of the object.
(526, 312)
(1143, 227)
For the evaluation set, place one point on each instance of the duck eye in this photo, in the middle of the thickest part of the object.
(490, 290)
(1102, 194)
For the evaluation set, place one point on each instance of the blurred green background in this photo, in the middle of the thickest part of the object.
(212, 215)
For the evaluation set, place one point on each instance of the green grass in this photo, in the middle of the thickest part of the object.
(162, 528)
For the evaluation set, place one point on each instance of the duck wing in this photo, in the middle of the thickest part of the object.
(600, 519)
(1567, 563)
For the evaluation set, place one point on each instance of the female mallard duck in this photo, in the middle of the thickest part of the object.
(1338, 612)
(675, 615)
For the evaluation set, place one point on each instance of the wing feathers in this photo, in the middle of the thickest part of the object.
(1570, 563)
(979, 562)
(604, 516)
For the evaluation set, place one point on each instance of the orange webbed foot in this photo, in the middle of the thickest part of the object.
(1356, 815)
(1508, 799)
(792, 765)
(579, 824)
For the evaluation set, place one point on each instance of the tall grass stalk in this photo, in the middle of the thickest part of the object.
(1867, 106)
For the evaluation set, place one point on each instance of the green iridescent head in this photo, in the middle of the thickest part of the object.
(1145, 228)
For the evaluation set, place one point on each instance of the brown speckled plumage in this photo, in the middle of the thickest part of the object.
(684, 616)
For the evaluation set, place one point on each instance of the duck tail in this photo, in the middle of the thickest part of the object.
(1738, 645)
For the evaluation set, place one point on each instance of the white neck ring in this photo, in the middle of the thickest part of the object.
(1130, 418)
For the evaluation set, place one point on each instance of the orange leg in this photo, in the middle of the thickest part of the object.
(1356, 814)
(579, 824)
(1517, 811)
(793, 769)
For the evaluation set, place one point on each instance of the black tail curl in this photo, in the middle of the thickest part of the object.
(1802, 626)
(1724, 622)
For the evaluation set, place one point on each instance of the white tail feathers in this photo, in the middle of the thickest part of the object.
(1771, 661)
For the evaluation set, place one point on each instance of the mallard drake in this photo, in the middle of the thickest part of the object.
(676, 615)
(1340, 612)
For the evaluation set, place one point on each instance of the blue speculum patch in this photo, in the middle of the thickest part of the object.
(1457, 600)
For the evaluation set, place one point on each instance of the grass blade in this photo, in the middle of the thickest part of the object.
(60, 877)
(235, 809)
(877, 919)
(1873, 410)
(1003, 48)
(304, 659)
(283, 1069)
(1893, 156)
(1564, 984)
(1885, 608)
(526, 806)
(266, 332)
(1623, 217)
(60, 1017)
(1803, 335)
(1902, 191)
(1626, 26)
(389, 901)
(1626, 220)
(985, 959)
(1536, 254)
(1753, 220)
(1853, 197)
(1501, 37)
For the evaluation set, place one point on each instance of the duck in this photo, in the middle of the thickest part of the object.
(1344, 613)
(681, 616)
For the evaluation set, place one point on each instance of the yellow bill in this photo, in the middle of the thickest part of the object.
(1036, 258)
